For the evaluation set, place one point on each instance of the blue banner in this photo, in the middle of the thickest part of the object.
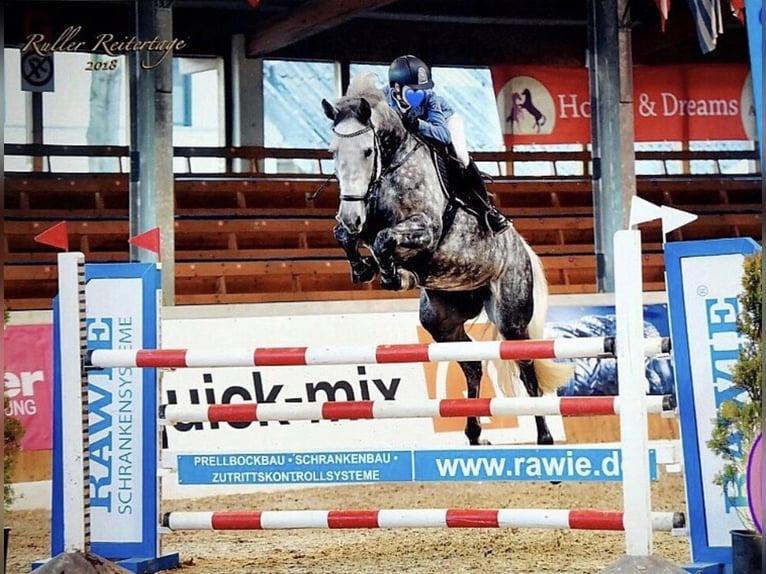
(348, 467)
(502, 464)
(296, 468)
(754, 19)
(121, 313)
(594, 376)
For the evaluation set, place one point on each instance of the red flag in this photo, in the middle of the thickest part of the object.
(56, 236)
(149, 240)
(664, 7)
(738, 9)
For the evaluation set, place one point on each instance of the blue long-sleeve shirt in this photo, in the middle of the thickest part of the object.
(432, 114)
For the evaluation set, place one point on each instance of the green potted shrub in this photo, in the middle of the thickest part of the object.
(738, 420)
(13, 431)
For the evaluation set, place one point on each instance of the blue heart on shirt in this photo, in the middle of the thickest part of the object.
(414, 97)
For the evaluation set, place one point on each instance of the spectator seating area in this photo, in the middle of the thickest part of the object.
(258, 237)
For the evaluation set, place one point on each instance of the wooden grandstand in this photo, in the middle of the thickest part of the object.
(260, 237)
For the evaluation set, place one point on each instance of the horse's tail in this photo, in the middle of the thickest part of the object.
(550, 374)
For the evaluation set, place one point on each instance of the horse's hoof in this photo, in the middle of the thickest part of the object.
(364, 271)
(392, 283)
(364, 277)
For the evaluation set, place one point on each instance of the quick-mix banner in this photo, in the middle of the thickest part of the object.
(317, 383)
(257, 455)
(551, 105)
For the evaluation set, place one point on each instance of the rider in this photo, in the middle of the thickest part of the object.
(424, 112)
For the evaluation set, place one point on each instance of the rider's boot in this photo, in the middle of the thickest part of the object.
(478, 199)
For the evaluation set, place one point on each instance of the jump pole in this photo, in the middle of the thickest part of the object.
(564, 519)
(443, 408)
(560, 348)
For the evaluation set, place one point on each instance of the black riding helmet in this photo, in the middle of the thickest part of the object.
(410, 71)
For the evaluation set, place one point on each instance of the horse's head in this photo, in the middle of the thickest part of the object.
(357, 166)
(362, 123)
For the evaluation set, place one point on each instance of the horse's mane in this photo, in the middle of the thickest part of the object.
(365, 86)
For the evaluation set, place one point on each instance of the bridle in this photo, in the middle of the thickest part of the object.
(377, 172)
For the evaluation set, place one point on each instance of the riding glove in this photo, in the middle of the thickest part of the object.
(411, 122)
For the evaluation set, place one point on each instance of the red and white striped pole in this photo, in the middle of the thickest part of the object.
(334, 410)
(559, 348)
(563, 519)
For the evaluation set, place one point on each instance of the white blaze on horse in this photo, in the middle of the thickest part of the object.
(392, 201)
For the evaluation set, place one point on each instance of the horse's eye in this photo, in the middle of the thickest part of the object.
(368, 152)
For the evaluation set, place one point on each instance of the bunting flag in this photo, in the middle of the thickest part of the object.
(709, 22)
(664, 7)
(57, 236)
(149, 240)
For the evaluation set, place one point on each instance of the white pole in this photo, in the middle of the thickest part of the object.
(628, 292)
(74, 403)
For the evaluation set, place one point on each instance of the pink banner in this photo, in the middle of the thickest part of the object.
(29, 381)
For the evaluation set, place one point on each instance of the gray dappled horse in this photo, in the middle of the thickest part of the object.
(392, 201)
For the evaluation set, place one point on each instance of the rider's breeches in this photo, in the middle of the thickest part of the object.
(457, 131)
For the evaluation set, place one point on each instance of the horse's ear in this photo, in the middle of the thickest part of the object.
(365, 111)
(329, 110)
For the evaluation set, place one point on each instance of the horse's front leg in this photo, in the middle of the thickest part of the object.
(395, 245)
(363, 268)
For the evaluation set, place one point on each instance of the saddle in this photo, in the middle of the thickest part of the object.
(452, 178)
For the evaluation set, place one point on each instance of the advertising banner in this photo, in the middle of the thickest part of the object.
(706, 342)
(29, 381)
(121, 313)
(265, 452)
(551, 105)
(479, 463)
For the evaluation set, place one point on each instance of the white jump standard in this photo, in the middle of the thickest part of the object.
(637, 520)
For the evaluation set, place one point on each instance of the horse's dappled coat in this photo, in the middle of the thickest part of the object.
(392, 202)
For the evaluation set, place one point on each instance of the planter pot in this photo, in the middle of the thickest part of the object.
(746, 552)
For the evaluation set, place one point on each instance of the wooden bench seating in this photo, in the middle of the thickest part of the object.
(266, 238)
(232, 235)
(107, 194)
(257, 281)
